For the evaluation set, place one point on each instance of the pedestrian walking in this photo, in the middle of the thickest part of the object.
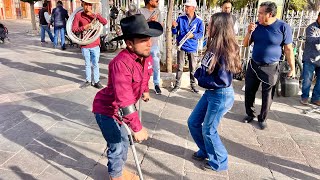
(190, 27)
(129, 73)
(221, 60)
(44, 20)
(90, 52)
(311, 64)
(59, 17)
(269, 35)
(152, 13)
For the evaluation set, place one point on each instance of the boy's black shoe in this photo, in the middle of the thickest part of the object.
(98, 85)
(248, 119)
(157, 89)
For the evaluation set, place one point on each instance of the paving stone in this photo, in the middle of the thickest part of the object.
(80, 155)
(61, 172)
(191, 176)
(15, 173)
(33, 159)
(300, 126)
(283, 168)
(150, 126)
(194, 166)
(150, 117)
(75, 124)
(19, 136)
(91, 135)
(184, 99)
(163, 143)
(243, 135)
(171, 127)
(4, 156)
(161, 166)
(280, 147)
(245, 153)
(274, 129)
(312, 154)
(141, 150)
(306, 138)
(245, 172)
(57, 137)
(232, 119)
(9, 122)
(171, 110)
(100, 171)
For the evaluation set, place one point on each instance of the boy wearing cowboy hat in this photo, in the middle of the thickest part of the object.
(129, 73)
(90, 52)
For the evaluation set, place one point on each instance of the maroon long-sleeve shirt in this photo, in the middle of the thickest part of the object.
(80, 20)
(127, 80)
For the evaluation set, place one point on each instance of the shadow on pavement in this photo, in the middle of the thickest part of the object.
(46, 70)
(47, 147)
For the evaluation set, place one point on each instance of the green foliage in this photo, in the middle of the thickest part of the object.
(238, 4)
(212, 3)
(298, 5)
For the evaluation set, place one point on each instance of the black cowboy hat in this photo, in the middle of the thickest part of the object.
(137, 25)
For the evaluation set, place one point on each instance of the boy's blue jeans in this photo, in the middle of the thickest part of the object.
(43, 30)
(203, 124)
(155, 53)
(117, 143)
(92, 55)
(307, 75)
(57, 31)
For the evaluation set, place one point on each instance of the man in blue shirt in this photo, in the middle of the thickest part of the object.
(269, 35)
(181, 27)
(311, 63)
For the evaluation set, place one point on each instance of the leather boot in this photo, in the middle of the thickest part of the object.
(127, 175)
(117, 178)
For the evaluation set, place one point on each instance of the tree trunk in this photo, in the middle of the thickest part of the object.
(33, 18)
(169, 36)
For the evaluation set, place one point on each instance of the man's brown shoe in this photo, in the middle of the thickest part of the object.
(316, 102)
(127, 175)
(304, 101)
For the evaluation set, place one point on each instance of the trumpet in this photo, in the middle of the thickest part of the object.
(185, 37)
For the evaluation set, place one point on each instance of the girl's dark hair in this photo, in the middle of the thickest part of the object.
(222, 43)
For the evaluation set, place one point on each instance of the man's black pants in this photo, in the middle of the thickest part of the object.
(192, 67)
(257, 73)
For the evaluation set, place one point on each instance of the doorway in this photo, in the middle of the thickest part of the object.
(8, 9)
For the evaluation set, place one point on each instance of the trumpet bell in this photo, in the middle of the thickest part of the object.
(89, 36)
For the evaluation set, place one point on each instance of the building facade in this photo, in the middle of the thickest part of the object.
(16, 9)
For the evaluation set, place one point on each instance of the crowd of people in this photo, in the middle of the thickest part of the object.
(130, 71)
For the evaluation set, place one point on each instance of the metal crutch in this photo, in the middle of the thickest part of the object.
(134, 152)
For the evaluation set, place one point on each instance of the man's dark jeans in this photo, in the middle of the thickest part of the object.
(255, 73)
(192, 67)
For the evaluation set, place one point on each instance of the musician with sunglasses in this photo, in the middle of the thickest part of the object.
(189, 22)
(90, 52)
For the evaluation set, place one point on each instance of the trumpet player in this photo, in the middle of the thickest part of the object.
(188, 26)
(91, 52)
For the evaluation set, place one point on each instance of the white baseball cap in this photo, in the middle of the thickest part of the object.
(191, 3)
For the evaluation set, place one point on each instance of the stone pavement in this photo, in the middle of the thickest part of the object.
(47, 130)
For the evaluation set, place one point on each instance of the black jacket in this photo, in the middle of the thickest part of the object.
(59, 17)
(42, 19)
